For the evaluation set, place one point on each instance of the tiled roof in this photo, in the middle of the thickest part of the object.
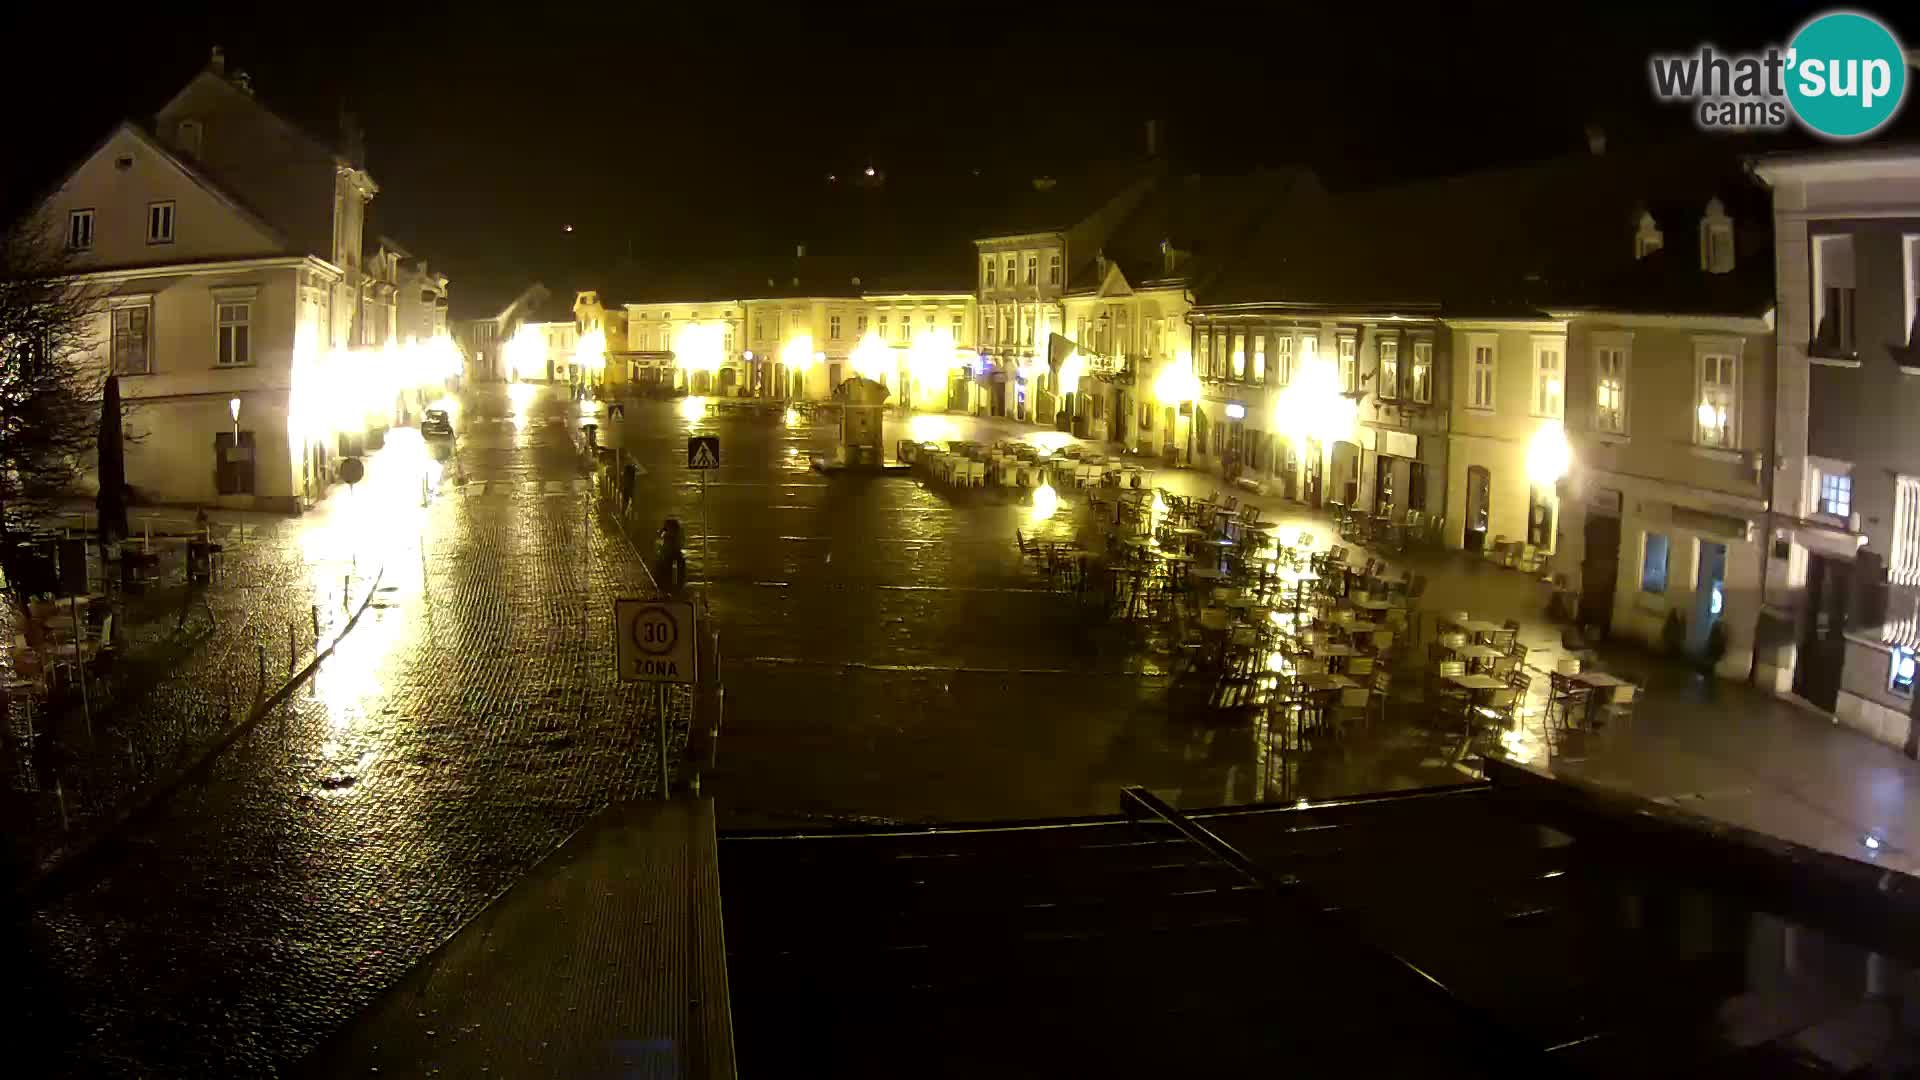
(1554, 234)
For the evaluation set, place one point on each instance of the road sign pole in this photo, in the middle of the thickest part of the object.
(706, 568)
(660, 706)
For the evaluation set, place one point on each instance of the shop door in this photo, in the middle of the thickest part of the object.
(1823, 643)
(1600, 571)
(1479, 506)
(1382, 485)
(1315, 474)
(1417, 486)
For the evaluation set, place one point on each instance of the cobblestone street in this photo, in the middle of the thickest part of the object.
(887, 655)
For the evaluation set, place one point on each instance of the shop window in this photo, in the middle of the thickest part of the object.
(1654, 553)
(1900, 672)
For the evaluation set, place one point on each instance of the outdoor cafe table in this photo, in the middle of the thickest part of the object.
(1476, 682)
(1374, 605)
(1599, 680)
(1471, 653)
(1202, 573)
(1477, 627)
(1319, 682)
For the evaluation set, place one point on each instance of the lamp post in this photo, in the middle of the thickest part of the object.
(233, 410)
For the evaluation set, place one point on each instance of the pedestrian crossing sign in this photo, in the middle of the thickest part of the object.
(703, 451)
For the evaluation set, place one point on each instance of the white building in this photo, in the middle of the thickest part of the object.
(227, 244)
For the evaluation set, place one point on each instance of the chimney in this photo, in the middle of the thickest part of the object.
(1596, 140)
(799, 251)
(244, 81)
(1153, 138)
(217, 63)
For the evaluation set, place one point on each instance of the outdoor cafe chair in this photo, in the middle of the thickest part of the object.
(1566, 699)
(1618, 702)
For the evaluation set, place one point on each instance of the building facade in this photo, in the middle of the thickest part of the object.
(1844, 566)
(226, 243)
(483, 339)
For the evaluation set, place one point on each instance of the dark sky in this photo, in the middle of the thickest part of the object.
(712, 129)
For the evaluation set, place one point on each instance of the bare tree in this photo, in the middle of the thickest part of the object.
(50, 384)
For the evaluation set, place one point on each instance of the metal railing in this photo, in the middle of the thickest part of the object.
(1507, 1050)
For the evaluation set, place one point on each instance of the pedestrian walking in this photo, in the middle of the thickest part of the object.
(670, 565)
(628, 475)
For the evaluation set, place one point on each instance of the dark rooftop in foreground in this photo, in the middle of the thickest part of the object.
(1526, 927)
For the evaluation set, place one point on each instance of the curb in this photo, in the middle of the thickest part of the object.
(157, 792)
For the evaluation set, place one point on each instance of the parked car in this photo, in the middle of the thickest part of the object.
(436, 425)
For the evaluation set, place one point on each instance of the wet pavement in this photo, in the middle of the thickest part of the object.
(887, 655)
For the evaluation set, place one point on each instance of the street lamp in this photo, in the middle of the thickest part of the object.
(233, 410)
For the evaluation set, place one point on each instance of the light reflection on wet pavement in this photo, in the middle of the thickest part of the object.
(886, 655)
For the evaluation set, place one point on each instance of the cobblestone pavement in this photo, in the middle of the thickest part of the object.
(887, 656)
(466, 727)
(1716, 748)
(178, 682)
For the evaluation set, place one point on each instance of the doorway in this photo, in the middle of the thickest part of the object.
(1823, 643)
(1709, 594)
(1600, 571)
(1417, 486)
(1315, 477)
(1382, 486)
(1540, 507)
(1479, 506)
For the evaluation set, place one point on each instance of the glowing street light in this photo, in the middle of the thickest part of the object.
(1549, 456)
(872, 358)
(1176, 384)
(233, 410)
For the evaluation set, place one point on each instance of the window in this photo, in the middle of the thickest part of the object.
(1053, 268)
(80, 230)
(986, 325)
(235, 319)
(160, 222)
(1610, 389)
(860, 326)
(988, 264)
(959, 328)
(833, 328)
(1903, 566)
(1283, 359)
(233, 464)
(1549, 389)
(1260, 358)
(1348, 347)
(1239, 355)
(883, 328)
(1389, 388)
(1833, 294)
(1900, 672)
(1033, 269)
(1011, 267)
(1420, 373)
(1715, 416)
(132, 336)
(1007, 325)
(1026, 327)
(906, 328)
(1836, 494)
(1203, 363)
(1654, 550)
(1480, 373)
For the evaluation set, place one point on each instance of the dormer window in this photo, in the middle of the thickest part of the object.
(1648, 239)
(1716, 239)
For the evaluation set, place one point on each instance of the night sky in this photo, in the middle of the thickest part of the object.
(666, 135)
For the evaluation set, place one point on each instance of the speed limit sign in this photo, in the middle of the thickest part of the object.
(654, 640)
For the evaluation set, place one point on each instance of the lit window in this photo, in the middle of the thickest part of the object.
(1389, 368)
(1260, 358)
(1610, 389)
(959, 328)
(1053, 268)
(1012, 275)
(1900, 672)
(860, 326)
(906, 328)
(80, 230)
(989, 264)
(1349, 354)
(1653, 563)
(1420, 372)
(160, 222)
(1549, 391)
(1480, 374)
(1715, 414)
(1836, 494)
(986, 325)
(132, 337)
(833, 328)
(1239, 356)
(1033, 269)
(1283, 359)
(235, 334)
(1903, 565)
(1203, 363)
(883, 328)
